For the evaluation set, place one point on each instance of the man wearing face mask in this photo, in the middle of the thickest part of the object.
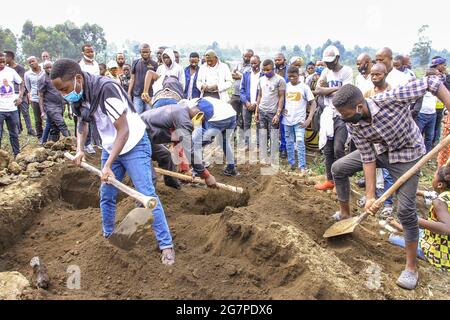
(126, 148)
(87, 62)
(175, 124)
(363, 80)
(52, 104)
(386, 136)
(333, 131)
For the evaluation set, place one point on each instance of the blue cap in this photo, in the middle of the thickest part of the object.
(207, 108)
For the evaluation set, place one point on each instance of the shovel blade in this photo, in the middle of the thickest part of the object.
(341, 227)
(131, 229)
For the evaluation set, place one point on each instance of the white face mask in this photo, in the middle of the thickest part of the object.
(89, 60)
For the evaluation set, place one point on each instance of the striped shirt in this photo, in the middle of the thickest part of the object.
(392, 128)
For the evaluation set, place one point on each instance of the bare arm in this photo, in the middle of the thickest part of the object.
(442, 226)
(131, 86)
(312, 110)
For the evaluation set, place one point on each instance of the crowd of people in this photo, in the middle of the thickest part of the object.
(381, 122)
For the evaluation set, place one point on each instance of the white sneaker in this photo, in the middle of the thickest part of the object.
(89, 149)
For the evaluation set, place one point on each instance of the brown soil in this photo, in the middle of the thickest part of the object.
(264, 244)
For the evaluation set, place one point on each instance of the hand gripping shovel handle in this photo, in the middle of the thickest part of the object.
(147, 202)
(408, 174)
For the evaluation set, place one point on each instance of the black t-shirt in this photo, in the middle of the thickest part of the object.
(52, 97)
(139, 69)
(21, 71)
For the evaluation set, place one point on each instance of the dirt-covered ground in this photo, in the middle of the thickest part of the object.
(264, 244)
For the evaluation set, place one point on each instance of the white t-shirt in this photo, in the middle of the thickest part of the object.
(363, 84)
(297, 98)
(90, 68)
(254, 79)
(115, 107)
(8, 76)
(396, 78)
(222, 110)
(336, 80)
(429, 104)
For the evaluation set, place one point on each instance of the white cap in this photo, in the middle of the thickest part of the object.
(330, 54)
(112, 64)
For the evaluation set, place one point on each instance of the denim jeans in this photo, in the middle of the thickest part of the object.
(164, 102)
(222, 130)
(37, 118)
(296, 134)
(427, 124)
(267, 131)
(24, 110)
(12, 123)
(282, 136)
(335, 147)
(388, 183)
(247, 118)
(437, 127)
(137, 163)
(140, 105)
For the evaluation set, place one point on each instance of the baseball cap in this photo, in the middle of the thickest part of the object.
(112, 64)
(211, 53)
(330, 54)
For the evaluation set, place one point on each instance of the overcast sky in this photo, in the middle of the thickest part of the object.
(374, 23)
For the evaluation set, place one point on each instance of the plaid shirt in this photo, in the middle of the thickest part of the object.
(393, 128)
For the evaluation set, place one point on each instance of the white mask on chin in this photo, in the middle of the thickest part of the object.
(87, 59)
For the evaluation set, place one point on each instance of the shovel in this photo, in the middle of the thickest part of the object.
(348, 225)
(198, 180)
(129, 231)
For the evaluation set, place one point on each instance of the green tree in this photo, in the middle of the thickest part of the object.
(8, 40)
(421, 51)
(94, 35)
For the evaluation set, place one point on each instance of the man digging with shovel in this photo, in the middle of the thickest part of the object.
(387, 137)
(126, 148)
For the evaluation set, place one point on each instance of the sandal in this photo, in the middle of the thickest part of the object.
(386, 213)
(168, 256)
(408, 280)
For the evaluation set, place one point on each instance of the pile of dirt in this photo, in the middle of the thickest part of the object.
(264, 244)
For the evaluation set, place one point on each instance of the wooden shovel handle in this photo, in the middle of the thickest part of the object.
(147, 202)
(408, 174)
(197, 180)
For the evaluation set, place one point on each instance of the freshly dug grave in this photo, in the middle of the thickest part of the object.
(264, 244)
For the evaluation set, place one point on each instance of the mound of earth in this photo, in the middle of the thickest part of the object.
(264, 244)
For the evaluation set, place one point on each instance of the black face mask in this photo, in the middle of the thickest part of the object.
(363, 69)
(331, 65)
(357, 117)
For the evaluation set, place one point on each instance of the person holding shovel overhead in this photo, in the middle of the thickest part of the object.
(387, 137)
(126, 148)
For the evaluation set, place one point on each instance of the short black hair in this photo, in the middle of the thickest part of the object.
(103, 65)
(127, 65)
(436, 57)
(86, 45)
(2, 55)
(348, 96)
(194, 55)
(311, 64)
(10, 54)
(293, 69)
(268, 62)
(65, 69)
(399, 58)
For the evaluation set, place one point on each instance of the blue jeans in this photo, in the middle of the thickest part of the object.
(398, 240)
(223, 130)
(282, 136)
(295, 134)
(164, 102)
(140, 105)
(137, 163)
(426, 124)
(12, 123)
(48, 126)
(388, 183)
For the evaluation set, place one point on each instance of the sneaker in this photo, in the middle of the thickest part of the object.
(89, 149)
(327, 185)
(361, 202)
(283, 154)
(361, 182)
(230, 171)
(303, 172)
(387, 212)
(408, 280)
(168, 257)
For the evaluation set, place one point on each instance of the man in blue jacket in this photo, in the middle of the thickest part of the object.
(191, 73)
(249, 95)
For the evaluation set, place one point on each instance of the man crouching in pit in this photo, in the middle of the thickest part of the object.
(126, 148)
(387, 137)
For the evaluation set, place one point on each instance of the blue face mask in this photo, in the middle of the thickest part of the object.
(74, 96)
(319, 70)
(270, 75)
